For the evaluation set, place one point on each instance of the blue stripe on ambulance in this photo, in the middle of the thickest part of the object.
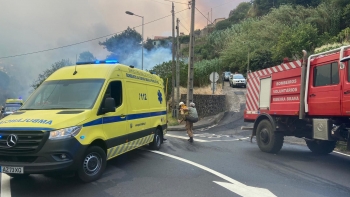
(112, 119)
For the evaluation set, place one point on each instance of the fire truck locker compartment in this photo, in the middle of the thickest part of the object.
(322, 129)
(265, 93)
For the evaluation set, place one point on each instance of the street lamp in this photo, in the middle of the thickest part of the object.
(130, 13)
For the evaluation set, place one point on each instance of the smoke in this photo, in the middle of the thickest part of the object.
(150, 58)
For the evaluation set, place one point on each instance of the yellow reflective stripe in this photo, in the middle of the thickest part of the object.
(123, 148)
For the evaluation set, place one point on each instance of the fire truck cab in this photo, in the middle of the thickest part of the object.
(308, 98)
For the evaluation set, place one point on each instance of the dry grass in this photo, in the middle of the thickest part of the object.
(172, 121)
(205, 90)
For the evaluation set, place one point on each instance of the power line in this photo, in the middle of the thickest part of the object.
(177, 2)
(77, 43)
(184, 27)
(202, 14)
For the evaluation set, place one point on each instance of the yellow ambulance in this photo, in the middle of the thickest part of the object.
(82, 116)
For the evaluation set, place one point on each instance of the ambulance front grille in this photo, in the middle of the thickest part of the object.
(22, 141)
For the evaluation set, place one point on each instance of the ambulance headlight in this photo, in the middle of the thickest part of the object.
(64, 133)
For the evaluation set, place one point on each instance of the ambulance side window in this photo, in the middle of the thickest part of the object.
(114, 90)
(327, 74)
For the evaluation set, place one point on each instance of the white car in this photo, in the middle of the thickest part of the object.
(238, 80)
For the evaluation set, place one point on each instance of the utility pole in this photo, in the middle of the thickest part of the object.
(208, 20)
(191, 54)
(211, 15)
(173, 63)
(177, 66)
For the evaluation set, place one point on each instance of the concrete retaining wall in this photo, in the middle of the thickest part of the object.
(207, 105)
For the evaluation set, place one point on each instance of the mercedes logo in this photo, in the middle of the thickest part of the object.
(12, 140)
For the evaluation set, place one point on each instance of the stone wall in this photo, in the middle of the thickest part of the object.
(207, 105)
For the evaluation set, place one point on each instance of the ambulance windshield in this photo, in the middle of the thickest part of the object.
(65, 94)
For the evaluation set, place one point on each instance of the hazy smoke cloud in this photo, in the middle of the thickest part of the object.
(150, 58)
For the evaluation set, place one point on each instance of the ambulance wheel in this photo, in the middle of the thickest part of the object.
(93, 164)
(268, 140)
(18, 176)
(157, 140)
(321, 147)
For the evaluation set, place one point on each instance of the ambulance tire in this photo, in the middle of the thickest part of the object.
(18, 176)
(157, 140)
(321, 147)
(268, 140)
(93, 164)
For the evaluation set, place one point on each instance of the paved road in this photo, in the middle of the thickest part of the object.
(221, 162)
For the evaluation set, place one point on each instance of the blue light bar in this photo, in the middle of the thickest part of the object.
(99, 62)
(111, 61)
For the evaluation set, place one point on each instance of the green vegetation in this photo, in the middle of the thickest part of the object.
(55, 66)
(171, 120)
(267, 32)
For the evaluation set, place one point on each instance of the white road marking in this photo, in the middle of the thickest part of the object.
(182, 137)
(233, 185)
(229, 140)
(5, 186)
(341, 153)
(199, 140)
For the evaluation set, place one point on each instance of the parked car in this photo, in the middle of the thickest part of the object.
(237, 80)
(227, 76)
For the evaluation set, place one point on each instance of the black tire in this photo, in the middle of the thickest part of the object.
(268, 140)
(92, 165)
(18, 176)
(321, 147)
(157, 140)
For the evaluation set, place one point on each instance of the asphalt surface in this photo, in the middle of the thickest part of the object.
(294, 171)
(221, 162)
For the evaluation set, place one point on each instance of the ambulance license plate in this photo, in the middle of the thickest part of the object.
(12, 170)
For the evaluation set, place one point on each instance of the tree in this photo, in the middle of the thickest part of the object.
(4, 80)
(121, 45)
(346, 16)
(86, 57)
(149, 44)
(293, 40)
(261, 60)
(223, 25)
(55, 66)
(240, 12)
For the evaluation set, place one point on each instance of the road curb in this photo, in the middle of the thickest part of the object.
(216, 119)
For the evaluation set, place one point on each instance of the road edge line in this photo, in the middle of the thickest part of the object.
(341, 153)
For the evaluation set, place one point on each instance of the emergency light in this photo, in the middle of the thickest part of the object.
(99, 62)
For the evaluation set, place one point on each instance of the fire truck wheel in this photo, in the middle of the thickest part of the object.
(268, 140)
(321, 147)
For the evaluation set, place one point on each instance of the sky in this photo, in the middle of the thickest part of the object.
(36, 25)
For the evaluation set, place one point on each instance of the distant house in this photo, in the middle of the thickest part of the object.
(160, 41)
(218, 20)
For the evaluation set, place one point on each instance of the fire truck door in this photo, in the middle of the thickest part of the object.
(324, 90)
(346, 90)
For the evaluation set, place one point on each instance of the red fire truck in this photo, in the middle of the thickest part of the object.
(308, 98)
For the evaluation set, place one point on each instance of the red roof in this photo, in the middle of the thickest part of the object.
(159, 37)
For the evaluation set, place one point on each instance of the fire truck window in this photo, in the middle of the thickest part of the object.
(335, 74)
(326, 75)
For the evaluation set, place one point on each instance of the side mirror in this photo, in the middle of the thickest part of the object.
(109, 105)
